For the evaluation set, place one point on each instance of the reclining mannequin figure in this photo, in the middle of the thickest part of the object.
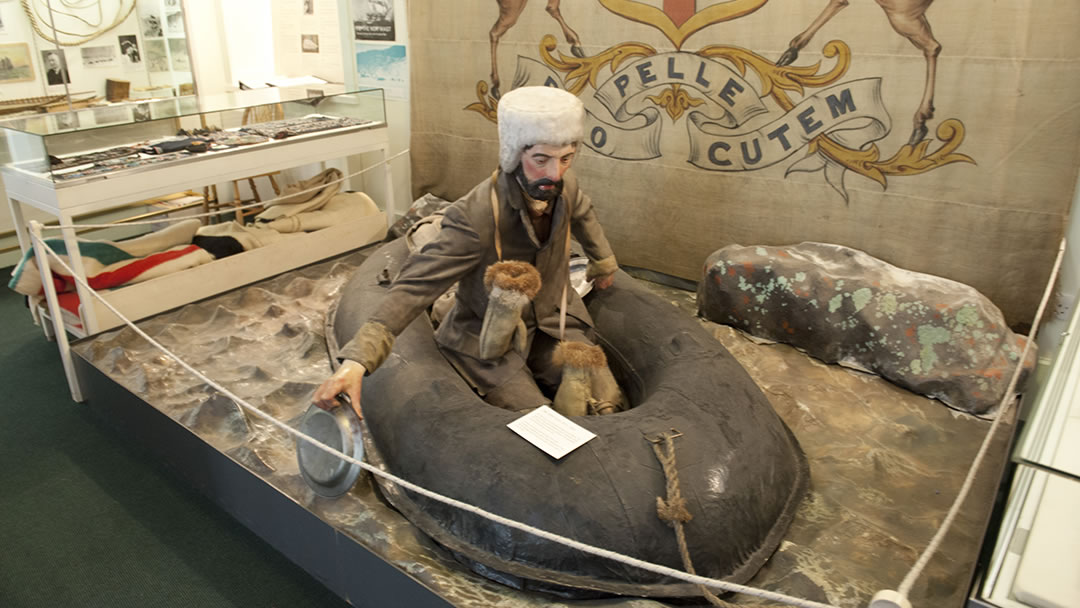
(506, 244)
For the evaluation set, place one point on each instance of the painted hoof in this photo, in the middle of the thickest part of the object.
(917, 135)
(577, 51)
(495, 91)
(788, 57)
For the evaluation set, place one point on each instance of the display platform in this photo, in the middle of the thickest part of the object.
(885, 464)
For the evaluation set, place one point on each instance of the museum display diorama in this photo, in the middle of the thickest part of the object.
(678, 316)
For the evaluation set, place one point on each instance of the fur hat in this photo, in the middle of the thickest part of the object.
(537, 115)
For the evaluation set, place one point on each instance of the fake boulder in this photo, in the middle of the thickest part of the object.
(925, 333)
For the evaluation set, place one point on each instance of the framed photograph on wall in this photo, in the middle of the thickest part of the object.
(178, 53)
(157, 59)
(150, 19)
(56, 68)
(129, 50)
(99, 56)
(174, 23)
(309, 43)
(15, 65)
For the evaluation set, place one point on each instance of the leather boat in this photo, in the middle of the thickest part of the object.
(739, 467)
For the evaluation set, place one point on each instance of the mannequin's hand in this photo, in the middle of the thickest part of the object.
(604, 282)
(347, 379)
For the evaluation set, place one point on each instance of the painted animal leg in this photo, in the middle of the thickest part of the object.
(509, 11)
(800, 41)
(909, 20)
(571, 35)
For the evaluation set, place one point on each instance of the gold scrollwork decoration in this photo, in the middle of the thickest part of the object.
(787, 78)
(487, 106)
(913, 160)
(582, 71)
(675, 100)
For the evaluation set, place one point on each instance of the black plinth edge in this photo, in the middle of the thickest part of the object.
(336, 560)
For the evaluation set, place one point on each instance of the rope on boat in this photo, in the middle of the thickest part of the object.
(159, 221)
(499, 519)
(673, 510)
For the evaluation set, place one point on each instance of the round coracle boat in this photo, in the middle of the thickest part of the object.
(739, 468)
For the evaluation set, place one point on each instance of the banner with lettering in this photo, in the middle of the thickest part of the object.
(938, 137)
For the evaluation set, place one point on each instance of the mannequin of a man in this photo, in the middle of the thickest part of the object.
(537, 202)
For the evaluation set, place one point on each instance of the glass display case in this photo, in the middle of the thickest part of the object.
(71, 147)
(1035, 561)
(99, 159)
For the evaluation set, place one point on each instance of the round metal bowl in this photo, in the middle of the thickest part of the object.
(327, 474)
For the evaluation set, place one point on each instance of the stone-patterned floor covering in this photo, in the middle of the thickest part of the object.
(885, 463)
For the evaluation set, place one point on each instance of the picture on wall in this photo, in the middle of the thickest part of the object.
(383, 66)
(309, 7)
(15, 63)
(179, 54)
(99, 56)
(56, 68)
(373, 19)
(174, 22)
(149, 19)
(157, 60)
(129, 50)
(309, 43)
(172, 3)
(3, 29)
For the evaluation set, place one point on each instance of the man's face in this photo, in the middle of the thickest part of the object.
(542, 169)
(54, 61)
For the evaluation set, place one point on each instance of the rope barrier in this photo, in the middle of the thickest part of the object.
(231, 209)
(900, 596)
(499, 519)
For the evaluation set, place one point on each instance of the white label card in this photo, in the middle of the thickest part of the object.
(551, 431)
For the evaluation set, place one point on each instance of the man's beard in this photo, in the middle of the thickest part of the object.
(533, 188)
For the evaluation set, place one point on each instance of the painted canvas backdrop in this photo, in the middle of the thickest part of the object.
(698, 140)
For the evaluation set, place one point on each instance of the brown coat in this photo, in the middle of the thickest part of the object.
(462, 252)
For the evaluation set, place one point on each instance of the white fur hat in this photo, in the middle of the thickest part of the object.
(537, 115)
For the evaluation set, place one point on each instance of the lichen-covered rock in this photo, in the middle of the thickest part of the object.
(931, 335)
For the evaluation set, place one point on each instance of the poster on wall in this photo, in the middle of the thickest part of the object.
(309, 7)
(383, 66)
(99, 56)
(156, 58)
(15, 63)
(373, 19)
(178, 52)
(129, 50)
(309, 43)
(56, 69)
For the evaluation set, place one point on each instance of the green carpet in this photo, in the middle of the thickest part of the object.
(87, 520)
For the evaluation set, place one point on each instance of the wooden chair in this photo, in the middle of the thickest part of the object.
(252, 115)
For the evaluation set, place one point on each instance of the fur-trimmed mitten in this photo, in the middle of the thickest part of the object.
(608, 398)
(511, 286)
(578, 361)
